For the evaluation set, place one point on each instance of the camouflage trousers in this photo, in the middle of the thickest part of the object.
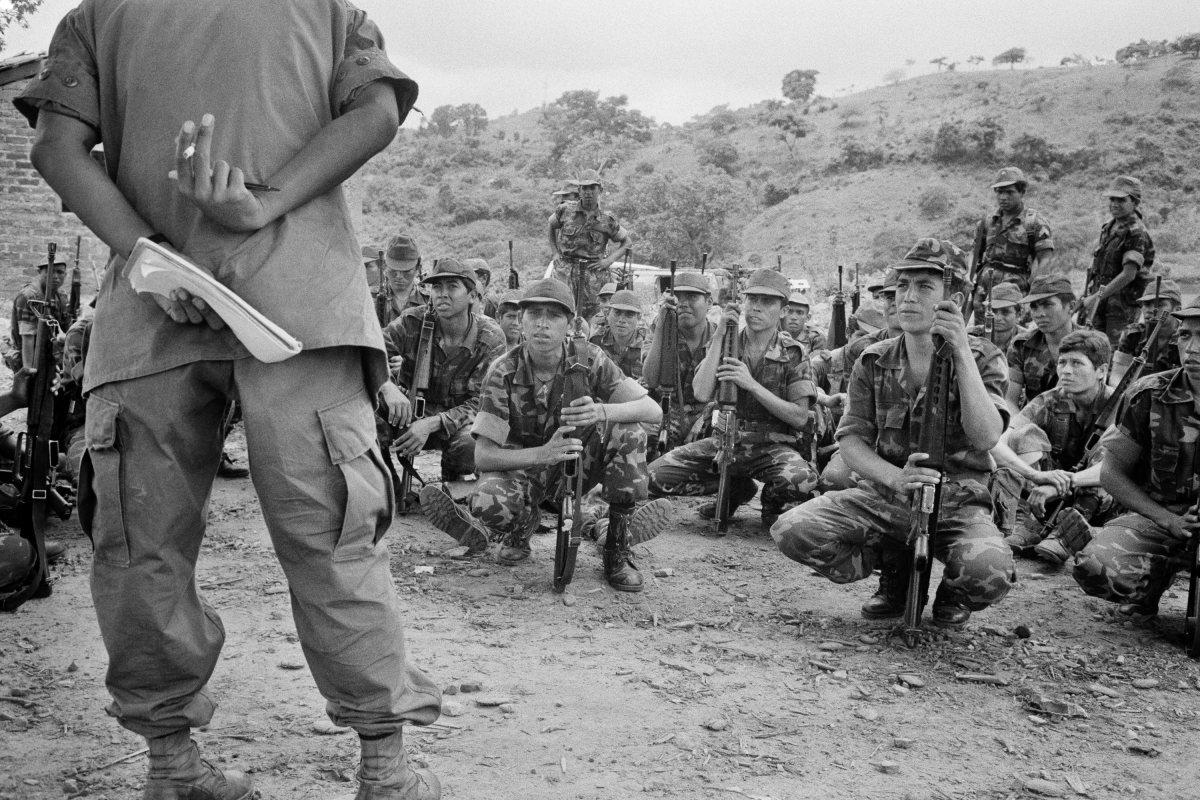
(684, 424)
(1130, 560)
(691, 470)
(845, 535)
(566, 269)
(458, 450)
(1007, 486)
(507, 503)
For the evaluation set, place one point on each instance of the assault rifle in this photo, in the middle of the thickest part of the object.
(779, 264)
(1191, 621)
(625, 278)
(703, 261)
(383, 300)
(837, 324)
(76, 286)
(418, 387)
(1091, 285)
(36, 456)
(727, 424)
(989, 313)
(856, 298)
(569, 530)
(668, 367)
(514, 279)
(927, 501)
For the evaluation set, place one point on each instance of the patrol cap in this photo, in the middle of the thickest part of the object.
(888, 284)
(1008, 177)
(587, 177)
(1006, 295)
(1190, 311)
(509, 298)
(1048, 286)
(799, 299)
(626, 300)
(608, 289)
(1170, 291)
(58, 262)
(401, 247)
(692, 282)
(870, 320)
(452, 268)
(479, 265)
(1124, 186)
(937, 255)
(769, 283)
(549, 290)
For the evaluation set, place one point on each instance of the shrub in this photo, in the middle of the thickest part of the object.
(774, 195)
(858, 158)
(935, 202)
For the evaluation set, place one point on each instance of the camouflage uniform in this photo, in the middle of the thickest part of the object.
(583, 238)
(1010, 247)
(845, 534)
(518, 411)
(1164, 352)
(24, 321)
(1121, 240)
(629, 358)
(1133, 560)
(686, 411)
(811, 339)
(1003, 342)
(842, 360)
(455, 382)
(1031, 362)
(766, 445)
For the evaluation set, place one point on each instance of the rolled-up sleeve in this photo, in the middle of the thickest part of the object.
(800, 384)
(364, 61)
(492, 419)
(67, 83)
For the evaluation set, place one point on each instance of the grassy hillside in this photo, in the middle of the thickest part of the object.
(877, 169)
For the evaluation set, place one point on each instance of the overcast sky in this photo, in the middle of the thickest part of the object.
(677, 59)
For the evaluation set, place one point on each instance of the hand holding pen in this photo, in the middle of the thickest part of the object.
(217, 189)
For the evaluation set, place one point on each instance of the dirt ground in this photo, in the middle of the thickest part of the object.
(736, 674)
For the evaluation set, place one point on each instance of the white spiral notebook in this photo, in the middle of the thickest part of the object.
(153, 268)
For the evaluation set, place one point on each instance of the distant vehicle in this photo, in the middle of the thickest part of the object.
(799, 285)
(645, 277)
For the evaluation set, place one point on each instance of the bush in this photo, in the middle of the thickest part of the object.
(774, 195)
(720, 153)
(935, 202)
(859, 158)
(959, 143)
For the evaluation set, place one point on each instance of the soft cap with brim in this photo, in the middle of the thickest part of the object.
(549, 290)
(1190, 311)
(692, 282)
(587, 178)
(870, 319)
(510, 298)
(1048, 286)
(937, 255)
(888, 284)
(607, 289)
(1009, 176)
(1169, 291)
(369, 253)
(567, 188)
(478, 265)
(799, 299)
(768, 282)
(1006, 295)
(626, 300)
(1124, 186)
(401, 247)
(452, 268)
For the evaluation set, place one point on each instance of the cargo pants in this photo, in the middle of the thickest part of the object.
(614, 455)
(153, 447)
(845, 535)
(1130, 560)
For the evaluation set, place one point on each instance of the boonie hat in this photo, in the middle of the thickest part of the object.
(452, 268)
(549, 290)
(1169, 291)
(870, 320)
(626, 300)
(607, 289)
(1008, 176)
(1048, 286)
(769, 283)
(401, 247)
(934, 254)
(1190, 311)
(799, 299)
(588, 177)
(1006, 295)
(1124, 186)
(692, 282)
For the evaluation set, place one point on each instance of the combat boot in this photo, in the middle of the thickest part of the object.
(385, 774)
(178, 773)
(448, 517)
(622, 575)
(949, 610)
(645, 523)
(1071, 534)
(888, 601)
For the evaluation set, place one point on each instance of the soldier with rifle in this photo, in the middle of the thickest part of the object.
(579, 234)
(531, 445)
(30, 305)
(1121, 263)
(845, 535)
(1050, 455)
(401, 274)
(688, 302)
(1013, 245)
(763, 386)
(1150, 467)
(623, 336)
(1006, 314)
(1163, 353)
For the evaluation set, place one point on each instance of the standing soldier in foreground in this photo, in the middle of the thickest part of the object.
(775, 394)
(846, 534)
(1121, 265)
(523, 437)
(310, 96)
(579, 234)
(1013, 245)
(1164, 352)
(1149, 468)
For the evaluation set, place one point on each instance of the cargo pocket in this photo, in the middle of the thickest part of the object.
(102, 498)
(349, 429)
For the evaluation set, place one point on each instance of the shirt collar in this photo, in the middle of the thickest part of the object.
(1175, 390)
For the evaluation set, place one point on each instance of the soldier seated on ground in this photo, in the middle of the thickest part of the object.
(623, 337)
(600, 318)
(523, 436)
(1006, 313)
(464, 344)
(1042, 454)
(509, 317)
(27, 305)
(774, 404)
(483, 280)
(845, 535)
(1164, 352)
(16, 554)
(1148, 468)
(1034, 352)
(798, 326)
(400, 260)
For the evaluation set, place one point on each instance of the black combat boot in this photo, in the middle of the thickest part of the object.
(949, 610)
(888, 601)
(618, 554)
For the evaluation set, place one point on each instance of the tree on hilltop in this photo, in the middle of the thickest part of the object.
(790, 126)
(1012, 56)
(940, 61)
(895, 76)
(680, 216)
(1188, 44)
(799, 84)
(975, 60)
(16, 12)
(469, 118)
(581, 114)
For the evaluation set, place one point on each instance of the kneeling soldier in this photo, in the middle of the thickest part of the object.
(1149, 468)
(845, 535)
(775, 394)
(523, 436)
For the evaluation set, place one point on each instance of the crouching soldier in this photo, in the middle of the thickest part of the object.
(1149, 468)
(846, 534)
(523, 435)
(775, 394)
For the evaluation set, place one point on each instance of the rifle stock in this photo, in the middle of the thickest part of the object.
(569, 530)
(668, 367)
(727, 426)
(383, 300)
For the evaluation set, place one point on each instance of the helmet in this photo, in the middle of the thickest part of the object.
(16, 559)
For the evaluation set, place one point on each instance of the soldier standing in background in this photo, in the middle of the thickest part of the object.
(579, 234)
(1121, 266)
(485, 305)
(24, 319)
(1014, 244)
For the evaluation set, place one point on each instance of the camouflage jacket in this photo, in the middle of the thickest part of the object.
(784, 371)
(24, 321)
(585, 235)
(1014, 243)
(516, 410)
(811, 339)
(883, 414)
(1001, 342)
(1157, 429)
(457, 377)
(1066, 424)
(629, 358)
(843, 359)
(1122, 240)
(686, 362)
(1164, 352)
(1030, 362)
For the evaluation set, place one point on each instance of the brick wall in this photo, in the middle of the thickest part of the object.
(31, 214)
